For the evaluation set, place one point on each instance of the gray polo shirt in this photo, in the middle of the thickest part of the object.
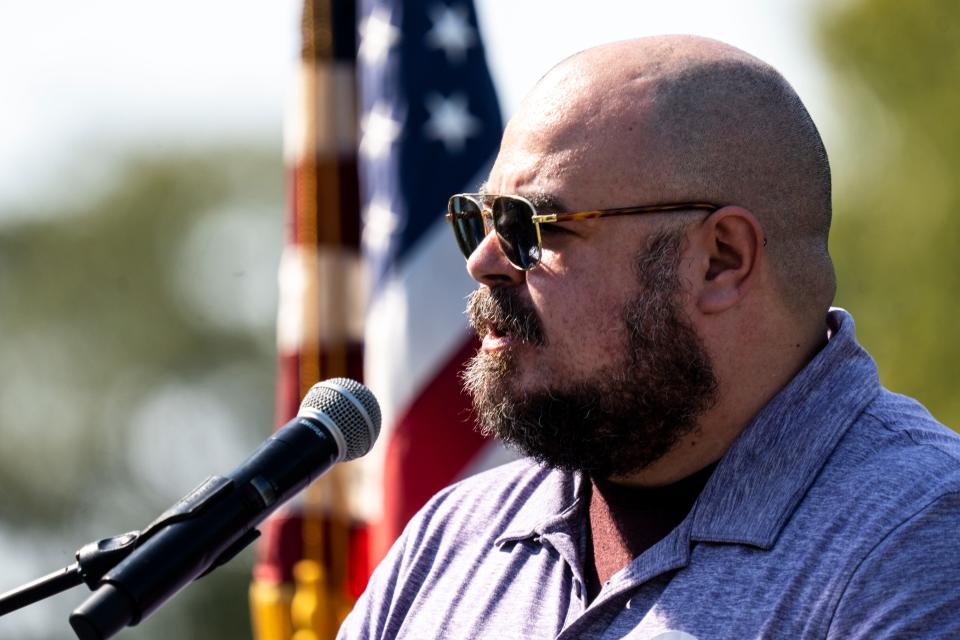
(835, 514)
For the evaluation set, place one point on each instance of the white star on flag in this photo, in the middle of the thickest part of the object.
(380, 222)
(377, 36)
(450, 121)
(380, 131)
(451, 32)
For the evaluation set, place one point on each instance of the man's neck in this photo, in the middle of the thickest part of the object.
(626, 521)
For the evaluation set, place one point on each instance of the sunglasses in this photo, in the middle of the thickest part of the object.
(517, 223)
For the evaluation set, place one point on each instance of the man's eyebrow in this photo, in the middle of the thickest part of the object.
(544, 202)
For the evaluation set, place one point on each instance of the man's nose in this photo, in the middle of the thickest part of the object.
(488, 265)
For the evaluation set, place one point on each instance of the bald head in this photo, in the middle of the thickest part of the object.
(683, 118)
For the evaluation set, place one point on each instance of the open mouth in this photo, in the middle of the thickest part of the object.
(495, 337)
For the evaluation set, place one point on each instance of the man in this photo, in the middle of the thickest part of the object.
(710, 452)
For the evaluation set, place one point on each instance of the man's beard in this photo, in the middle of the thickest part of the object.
(620, 419)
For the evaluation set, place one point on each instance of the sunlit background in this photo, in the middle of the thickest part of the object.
(142, 203)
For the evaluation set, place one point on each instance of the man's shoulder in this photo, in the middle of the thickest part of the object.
(896, 459)
(518, 471)
(903, 506)
(909, 440)
(464, 522)
(500, 495)
(905, 416)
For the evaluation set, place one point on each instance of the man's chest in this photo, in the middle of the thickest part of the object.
(723, 591)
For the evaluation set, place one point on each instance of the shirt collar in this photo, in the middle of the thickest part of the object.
(554, 506)
(772, 463)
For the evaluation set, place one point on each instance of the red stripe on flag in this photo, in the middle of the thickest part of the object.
(430, 446)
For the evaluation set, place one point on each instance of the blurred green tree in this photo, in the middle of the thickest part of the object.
(138, 357)
(897, 210)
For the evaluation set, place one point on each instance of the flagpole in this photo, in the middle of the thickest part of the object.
(301, 579)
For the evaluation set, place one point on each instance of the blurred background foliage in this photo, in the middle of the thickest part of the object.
(897, 200)
(138, 358)
(138, 316)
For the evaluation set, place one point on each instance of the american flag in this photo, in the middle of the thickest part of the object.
(430, 126)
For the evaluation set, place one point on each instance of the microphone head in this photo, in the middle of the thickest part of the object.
(351, 407)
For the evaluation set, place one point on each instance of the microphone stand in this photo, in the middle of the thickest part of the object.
(40, 589)
(98, 620)
(94, 560)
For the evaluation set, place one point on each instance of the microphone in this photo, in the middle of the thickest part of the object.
(339, 419)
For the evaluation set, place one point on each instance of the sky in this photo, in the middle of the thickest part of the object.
(79, 82)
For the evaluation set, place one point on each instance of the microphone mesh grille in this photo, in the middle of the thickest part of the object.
(358, 432)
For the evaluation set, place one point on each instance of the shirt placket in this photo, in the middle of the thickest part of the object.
(617, 593)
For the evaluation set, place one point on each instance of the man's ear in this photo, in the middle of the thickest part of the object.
(729, 242)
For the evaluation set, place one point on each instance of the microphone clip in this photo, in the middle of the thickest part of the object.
(95, 559)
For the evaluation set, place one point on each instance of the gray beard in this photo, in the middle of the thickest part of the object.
(619, 420)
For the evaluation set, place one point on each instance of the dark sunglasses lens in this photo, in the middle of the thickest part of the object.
(513, 220)
(467, 221)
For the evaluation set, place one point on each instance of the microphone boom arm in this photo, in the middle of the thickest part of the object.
(95, 559)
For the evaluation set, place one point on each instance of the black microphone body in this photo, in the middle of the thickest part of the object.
(216, 520)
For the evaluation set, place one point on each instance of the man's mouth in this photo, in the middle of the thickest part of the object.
(501, 320)
(496, 338)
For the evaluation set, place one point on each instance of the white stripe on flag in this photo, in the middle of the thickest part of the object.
(327, 281)
(321, 114)
(416, 322)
